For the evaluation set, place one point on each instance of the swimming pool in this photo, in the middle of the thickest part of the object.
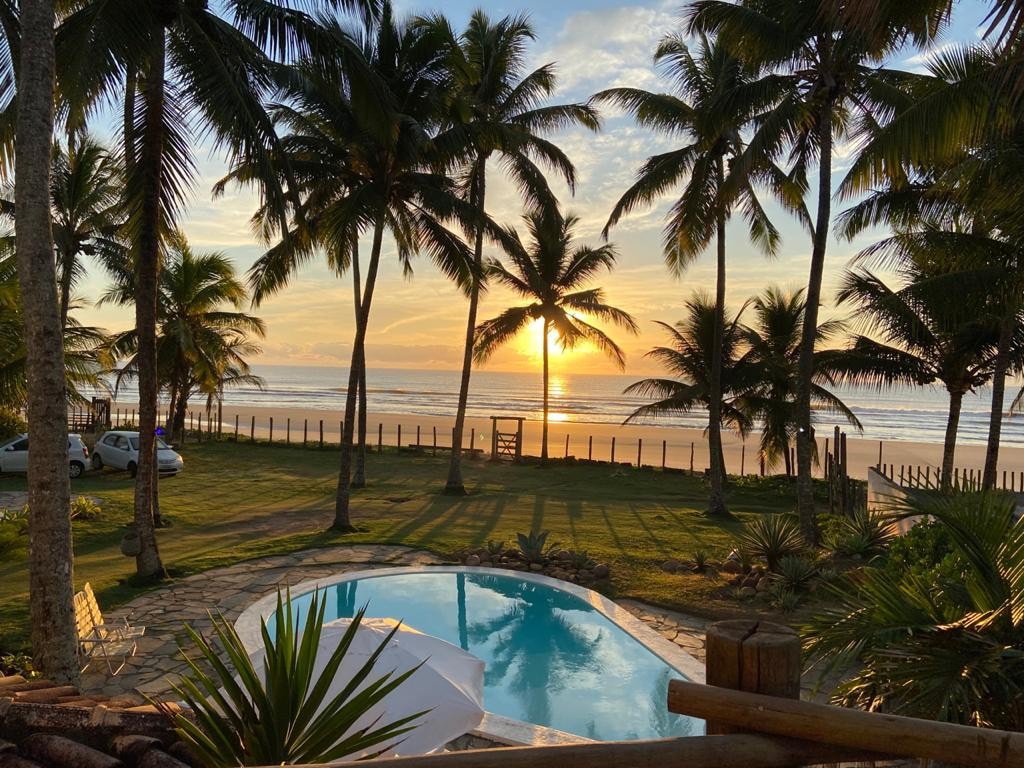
(556, 655)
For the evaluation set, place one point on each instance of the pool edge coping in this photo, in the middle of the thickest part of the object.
(500, 728)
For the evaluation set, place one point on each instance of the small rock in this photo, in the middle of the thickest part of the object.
(473, 560)
(536, 567)
(748, 592)
(671, 565)
(601, 571)
(732, 566)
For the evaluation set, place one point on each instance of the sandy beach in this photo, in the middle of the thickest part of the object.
(585, 440)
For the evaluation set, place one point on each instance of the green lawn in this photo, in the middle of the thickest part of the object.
(236, 502)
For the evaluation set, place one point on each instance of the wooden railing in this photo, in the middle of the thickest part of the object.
(756, 720)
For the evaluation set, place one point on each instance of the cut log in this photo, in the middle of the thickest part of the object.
(959, 745)
(59, 752)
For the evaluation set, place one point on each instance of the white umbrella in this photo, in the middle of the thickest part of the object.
(450, 682)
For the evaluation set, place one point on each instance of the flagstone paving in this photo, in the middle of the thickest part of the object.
(229, 590)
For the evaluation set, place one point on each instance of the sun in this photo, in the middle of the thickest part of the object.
(535, 340)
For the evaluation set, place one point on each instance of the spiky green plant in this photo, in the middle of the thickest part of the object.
(771, 537)
(795, 573)
(941, 645)
(241, 715)
(534, 545)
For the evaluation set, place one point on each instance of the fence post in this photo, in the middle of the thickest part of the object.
(566, 445)
(472, 440)
(288, 431)
(590, 448)
(752, 656)
(380, 439)
(879, 465)
(200, 430)
(639, 451)
(434, 451)
(691, 457)
(252, 430)
(305, 431)
(613, 449)
(664, 452)
(417, 436)
(236, 427)
(321, 433)
(743, 459)
(398, 442)
(271, 440)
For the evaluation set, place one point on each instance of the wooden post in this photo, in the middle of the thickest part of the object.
(398, 441)
(762, 465)
(752, 656)
(236, 427)
(743, 459)
(1004, 479)
(434, 451)
(613, 449)
(417, 435)
(879, 464)
(664, 452)
(380, 438)
(691, 457)
(288, 431)
(590, 448)
(321, 433)
(252, 430)
(639, 451)
(271, 440)
(566, 445)
(305, 431)
(200, 430)
(901, 474)
(472, 440)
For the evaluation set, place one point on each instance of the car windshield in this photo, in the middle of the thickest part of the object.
(160, 444)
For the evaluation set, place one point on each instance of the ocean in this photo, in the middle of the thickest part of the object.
(905, 413)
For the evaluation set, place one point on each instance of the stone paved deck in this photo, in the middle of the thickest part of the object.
(231, 589)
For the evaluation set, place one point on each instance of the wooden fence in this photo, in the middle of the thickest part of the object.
(756, 720)
(968, 478)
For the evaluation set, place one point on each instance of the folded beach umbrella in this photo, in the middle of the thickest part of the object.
(450, 682)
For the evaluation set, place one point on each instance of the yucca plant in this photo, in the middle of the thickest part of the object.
(795, 573)
(771, 537)
(282, 714)
(935, 645)
(861, 533)
(534, 545)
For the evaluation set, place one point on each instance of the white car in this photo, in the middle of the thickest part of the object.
(120, 450)
(14, 455)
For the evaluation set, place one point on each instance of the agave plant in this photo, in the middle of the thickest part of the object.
(771, 537)
(534, 546)
(862, 533)
(795, 573)
(282, 714)
(936, 646)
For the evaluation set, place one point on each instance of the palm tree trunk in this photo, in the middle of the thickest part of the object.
(66, 261)
(52, 616)
(147, 563)
(716, 499)
(544, 433)
(342, 521)
(455, 484)
(805, 364)
(995, 418)
(949, 443)
(359, 471)
(788, 459)
(179, 415)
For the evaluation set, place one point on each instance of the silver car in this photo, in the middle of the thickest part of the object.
(120, 449)
(14, 455)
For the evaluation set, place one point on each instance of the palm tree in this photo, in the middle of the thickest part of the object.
(54, 640)
(944, 645)
(821, 72)
(954, 189)
(919, 337)
(712, 103)
(772, 343)
(689, 359)
(497, 112)
(362, 124)
(177, 64)
(201, 343)
(551, 272)
(84, 348)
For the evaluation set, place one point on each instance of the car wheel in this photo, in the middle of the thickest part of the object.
(132, 469)
(97, 461)
(76, 469)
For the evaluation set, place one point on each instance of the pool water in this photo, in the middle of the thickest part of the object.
(551, 658)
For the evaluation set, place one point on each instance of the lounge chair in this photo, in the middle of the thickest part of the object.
(112, 639)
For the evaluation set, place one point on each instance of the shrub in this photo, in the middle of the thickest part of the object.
(925, 551)
(85, 508)
(700, 561)
(580, 559)
(17, 664)
(495, 548)
(772, 537)
(11, 424)
(786, 600)
(863, 534)
(281, 716)
(534, 546)
(795, 573)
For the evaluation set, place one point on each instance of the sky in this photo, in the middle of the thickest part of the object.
(419, 322)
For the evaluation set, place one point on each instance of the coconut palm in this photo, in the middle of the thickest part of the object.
(362, 123)
(918, 337)
(176, 65)
(953, 190)
(203, 339)
(498, 112)
(943, 647)
(822, 73)
(86, 188)
(712, 102)
(551, 271)
(771, 342)
(688, 358)
(54, 640)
